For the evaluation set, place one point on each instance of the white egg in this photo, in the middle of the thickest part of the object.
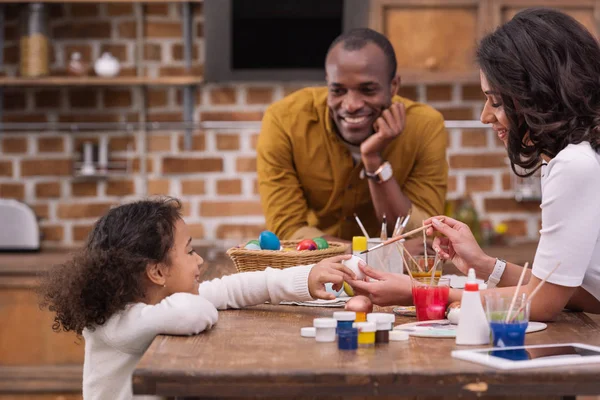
(353, 265)
(454, 315)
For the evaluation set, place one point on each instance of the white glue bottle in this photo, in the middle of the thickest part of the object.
(473, 327)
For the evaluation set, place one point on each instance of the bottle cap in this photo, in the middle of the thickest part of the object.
(398, 336)
(381, 317)
(365, 326)
(383, 321)
(308, 331)
(324, 323)
(344, 315)
(359, 243)
(471, 285)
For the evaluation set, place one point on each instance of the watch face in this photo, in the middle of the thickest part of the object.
(387, 172)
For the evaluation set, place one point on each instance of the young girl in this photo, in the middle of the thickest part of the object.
(138, 277)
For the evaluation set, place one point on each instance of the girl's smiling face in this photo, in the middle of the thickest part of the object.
(183, 275)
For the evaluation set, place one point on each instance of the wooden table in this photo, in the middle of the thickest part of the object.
(258, 352)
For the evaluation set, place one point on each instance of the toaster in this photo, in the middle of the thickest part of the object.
(19, 230)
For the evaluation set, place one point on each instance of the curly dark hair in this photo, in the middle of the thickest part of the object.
(108, 273)
(546, 67)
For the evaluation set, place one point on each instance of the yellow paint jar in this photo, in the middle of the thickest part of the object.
(366, 333)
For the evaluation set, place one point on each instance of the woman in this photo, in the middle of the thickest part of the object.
(540, 73)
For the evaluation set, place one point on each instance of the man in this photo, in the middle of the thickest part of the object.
(325, 154)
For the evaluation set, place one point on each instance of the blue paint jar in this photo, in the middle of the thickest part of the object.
(348, 339)
(345, 319)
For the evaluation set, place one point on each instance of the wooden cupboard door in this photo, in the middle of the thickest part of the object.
(432, 38)
(584, 11)
(26, 335)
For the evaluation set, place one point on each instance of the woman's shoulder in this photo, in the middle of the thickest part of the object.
(576, 159)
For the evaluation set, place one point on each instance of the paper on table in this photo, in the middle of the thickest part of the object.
(338, 302)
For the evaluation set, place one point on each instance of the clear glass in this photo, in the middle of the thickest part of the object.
(430, 297)
(421, 269)
(387, 258)
(507, 330)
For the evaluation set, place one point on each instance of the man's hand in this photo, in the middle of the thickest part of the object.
(388, 126)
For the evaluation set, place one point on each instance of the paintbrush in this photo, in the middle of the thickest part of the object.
(397, 226)
(400, 237)
(535, 291)
(383, 235)
(404, 223)
(362, 227)
(514, 298)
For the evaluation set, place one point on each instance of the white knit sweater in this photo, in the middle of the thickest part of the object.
(113, 349)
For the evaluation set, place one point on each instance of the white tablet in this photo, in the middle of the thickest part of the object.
(534, 356)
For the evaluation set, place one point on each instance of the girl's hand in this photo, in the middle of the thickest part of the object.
(458, 244)
(388, 289)
(329, 270)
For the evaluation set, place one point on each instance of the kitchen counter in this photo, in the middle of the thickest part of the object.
(31, 264)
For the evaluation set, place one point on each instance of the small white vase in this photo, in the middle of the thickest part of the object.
(107, 66)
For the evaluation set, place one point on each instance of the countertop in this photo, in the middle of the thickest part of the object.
(15, 264)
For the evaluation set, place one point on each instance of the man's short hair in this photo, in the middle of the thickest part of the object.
(358, 38)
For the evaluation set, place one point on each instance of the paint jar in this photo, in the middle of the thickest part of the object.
(348, 339)
(325, 329)
(361, 317)
(384, 324)
(344, 319)
(366, 333)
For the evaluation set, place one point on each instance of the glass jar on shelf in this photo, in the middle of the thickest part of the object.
(33, 42)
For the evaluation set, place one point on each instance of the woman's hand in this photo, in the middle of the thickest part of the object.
(388, 289)
(329, 270)
(458, 245)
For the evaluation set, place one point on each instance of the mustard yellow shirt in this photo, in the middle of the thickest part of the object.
(309, 184)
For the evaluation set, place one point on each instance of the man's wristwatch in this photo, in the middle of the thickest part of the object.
(496, 273)
(382, 174)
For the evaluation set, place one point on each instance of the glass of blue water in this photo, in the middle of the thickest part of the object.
(507, 331)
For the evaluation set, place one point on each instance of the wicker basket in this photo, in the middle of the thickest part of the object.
(258, 260)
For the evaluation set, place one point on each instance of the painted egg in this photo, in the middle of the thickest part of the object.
(306, 244)
(359, 304)
(453, 312)
(254, 241)
(269, 241)
(252, 246)
(352, 263)
(321, 243)
(348, 289)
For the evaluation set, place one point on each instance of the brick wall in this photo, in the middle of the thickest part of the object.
(215, 179)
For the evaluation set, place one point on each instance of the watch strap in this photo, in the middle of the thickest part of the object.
(496, 274)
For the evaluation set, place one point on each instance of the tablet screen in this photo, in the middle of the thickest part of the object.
(532, 353)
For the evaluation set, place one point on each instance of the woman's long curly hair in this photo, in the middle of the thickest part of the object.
(109, 272)
(546, 67)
